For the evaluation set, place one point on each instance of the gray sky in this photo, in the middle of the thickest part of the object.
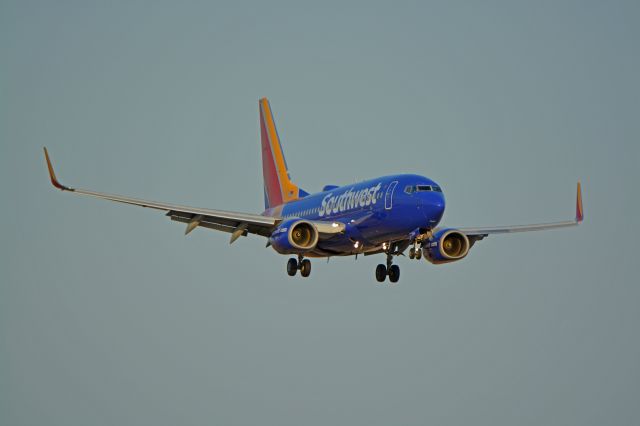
(109, 315)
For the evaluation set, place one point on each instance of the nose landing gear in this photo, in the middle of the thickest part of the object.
(415, 252)
(304, 265)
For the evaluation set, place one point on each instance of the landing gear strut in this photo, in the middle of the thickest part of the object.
(304, 265)
(393, 271)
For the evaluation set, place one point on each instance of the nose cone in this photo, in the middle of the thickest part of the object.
(433, 208)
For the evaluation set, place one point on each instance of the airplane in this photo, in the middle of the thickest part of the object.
(385, 215)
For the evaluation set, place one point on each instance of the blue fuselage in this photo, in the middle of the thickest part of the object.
(375, 211)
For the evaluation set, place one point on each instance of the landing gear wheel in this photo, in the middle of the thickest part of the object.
(381, 273)
(292, 267)
(418, 254)
(305, 268)
(394, 273)
(412, 253)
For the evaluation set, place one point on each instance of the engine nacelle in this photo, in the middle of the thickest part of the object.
(294, 236)
(446, 245)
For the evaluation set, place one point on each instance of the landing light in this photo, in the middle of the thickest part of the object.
(384, 246)
(335, 225)
(356, 244)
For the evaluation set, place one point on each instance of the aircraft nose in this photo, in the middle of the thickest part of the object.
(433, 208)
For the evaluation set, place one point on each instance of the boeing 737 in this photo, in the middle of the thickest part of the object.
(387, 215)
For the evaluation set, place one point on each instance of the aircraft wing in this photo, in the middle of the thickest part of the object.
(235, 223)
(479, 233)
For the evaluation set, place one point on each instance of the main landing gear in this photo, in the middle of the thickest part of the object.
(304, 265)
(393, 271)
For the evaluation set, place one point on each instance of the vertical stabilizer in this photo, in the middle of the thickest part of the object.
(278, 188)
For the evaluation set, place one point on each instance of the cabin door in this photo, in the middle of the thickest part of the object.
(388, 198)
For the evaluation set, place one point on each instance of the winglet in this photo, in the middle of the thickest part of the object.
(52, 174)
(579, 211)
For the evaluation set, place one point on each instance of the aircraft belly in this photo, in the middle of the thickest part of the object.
(380, 227)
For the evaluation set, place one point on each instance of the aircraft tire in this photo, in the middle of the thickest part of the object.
(292, 267)
(412, 253)
(418, 254)
(394, 273)
(305, 268)
(381, 273)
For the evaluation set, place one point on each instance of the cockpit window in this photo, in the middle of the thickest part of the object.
(410, 189)
(424, 188)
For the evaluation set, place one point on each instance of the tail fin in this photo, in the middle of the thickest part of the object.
(278, 188)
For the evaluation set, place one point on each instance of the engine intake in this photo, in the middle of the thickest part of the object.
(294, 236)
(303, 235)
(446, 245)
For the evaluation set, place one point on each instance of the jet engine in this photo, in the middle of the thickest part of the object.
(446, 245)
(294, 236)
